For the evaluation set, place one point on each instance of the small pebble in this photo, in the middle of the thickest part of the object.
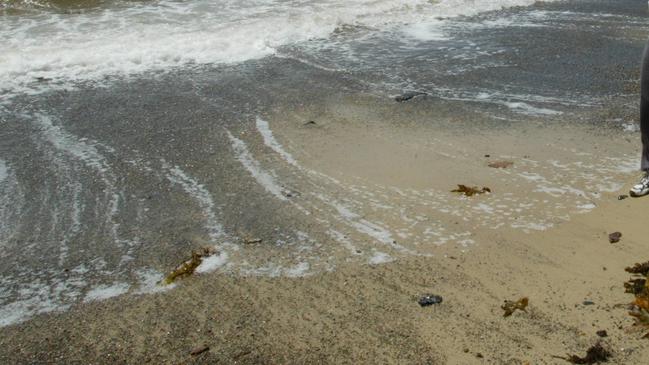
(588, 302)
(614, 237)
(602, 333)
(199, 350)
(429, 299)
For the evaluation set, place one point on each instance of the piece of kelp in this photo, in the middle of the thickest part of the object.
(594, 355)
(188, 267)
(635, 286)
(511, 306)
(500, 164)
(642, 269)
(639, 287)
(469, 191)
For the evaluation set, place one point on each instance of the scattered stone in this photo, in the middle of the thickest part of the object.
(250, 241)
(429, 299)
(487, 156)
(199, 350)
(614, 237)
(622, 197)
(479, 355)
(310, 122)
(501, 164)
(510, 306)
(43, 79)
(407, 96)
(588, 302)
(602, 333)
(466, 350)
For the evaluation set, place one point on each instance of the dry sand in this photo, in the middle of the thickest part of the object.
(369, 313)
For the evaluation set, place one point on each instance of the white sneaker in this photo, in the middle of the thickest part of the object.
(641, 188)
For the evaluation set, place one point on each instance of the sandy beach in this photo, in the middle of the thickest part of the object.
(313, 181)
(367, 313)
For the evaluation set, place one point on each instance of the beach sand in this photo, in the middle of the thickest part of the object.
(368, 313)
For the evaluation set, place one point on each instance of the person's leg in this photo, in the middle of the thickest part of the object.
(644, 109)
(642, 187)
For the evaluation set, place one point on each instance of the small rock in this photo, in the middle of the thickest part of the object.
(479, 355)
(251, 241)
(429, 299)
(614, 237)
(487, 156)
(310, 122)
(602, 333)
(407, 96)
(622, 197)
(199, 350)
(466, 350)
(588, 302)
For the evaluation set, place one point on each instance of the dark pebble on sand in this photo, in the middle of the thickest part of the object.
(588, 302)
(429, 299)
(622, 197)
(602, 333)
(614, 237)
(407, 96)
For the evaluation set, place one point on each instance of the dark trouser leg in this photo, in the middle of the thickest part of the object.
(644, 109)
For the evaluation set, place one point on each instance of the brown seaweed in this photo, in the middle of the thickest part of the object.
(500, 164)
(639, 287)
(635, 286)
(469, 191)
(642, 269)
(511, 306)
(595, 354)
(188, 267)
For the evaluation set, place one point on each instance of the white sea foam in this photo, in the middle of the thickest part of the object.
(301, 269)
(197, 191)
(4, 171)
(528, 109)
(380, 258)
(263, 177)
(631, 127)
(139, 37)
(212, 263)
(102, 292)
(149, 280)
(270, 141)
